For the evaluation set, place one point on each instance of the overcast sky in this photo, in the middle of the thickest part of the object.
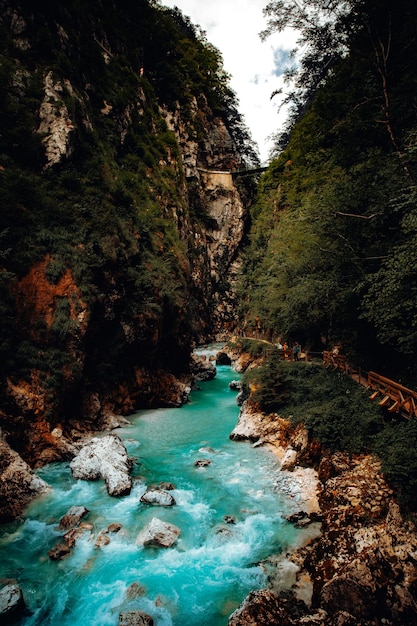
(233, 26)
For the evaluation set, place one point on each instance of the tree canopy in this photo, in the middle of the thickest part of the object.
(331, 254)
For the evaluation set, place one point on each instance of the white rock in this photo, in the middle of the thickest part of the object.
(11, 601)
(158, 497)
(158, 533)
(104, 457)
(289, 459)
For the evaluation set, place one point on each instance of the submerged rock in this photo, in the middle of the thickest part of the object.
(72, 517)
(158, 497)
(12, 603)
(135, 618)
(158, 533)
(102, 539)
(202, 463)
(114, 527)
(59, 551)
(106, 458)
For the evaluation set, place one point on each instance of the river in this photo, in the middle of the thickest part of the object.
(214, 564)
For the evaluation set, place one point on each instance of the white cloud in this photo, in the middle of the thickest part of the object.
(233, 26)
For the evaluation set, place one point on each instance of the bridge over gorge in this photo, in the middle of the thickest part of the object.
(225, 177)
(250, 171)
(389, 394)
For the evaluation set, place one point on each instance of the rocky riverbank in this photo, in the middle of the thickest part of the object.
(362, 566)
(18, 482)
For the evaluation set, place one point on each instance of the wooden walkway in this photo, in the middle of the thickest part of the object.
(389, 394)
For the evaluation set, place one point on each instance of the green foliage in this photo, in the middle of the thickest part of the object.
(256, 349)
(111, 215)
(339, 414)
(335, 409)
(62, 326)
(331, 243)
(397, 445)
(270, 390)
(55, 270)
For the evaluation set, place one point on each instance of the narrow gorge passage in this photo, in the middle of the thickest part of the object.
(228, 512)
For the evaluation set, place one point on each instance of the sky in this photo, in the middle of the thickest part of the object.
(256, 67)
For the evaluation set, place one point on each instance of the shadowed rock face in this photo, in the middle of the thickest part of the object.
(18, 484)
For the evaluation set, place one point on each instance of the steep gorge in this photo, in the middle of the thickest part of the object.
(117, 255)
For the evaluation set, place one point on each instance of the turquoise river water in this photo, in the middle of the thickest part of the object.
(212, 567)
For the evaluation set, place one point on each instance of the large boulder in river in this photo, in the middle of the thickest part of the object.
(104, 457)
(59, 551)
(159, 534)
(12, 604)
(158, 497)
(72, 517)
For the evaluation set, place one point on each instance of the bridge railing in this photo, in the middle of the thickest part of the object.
(392, 395)
(338, 361)
(389, 394)
(286, 354)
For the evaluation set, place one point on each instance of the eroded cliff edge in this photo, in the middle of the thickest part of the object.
(362, 567)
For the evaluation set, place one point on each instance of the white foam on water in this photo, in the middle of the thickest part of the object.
(187, 500)
(211, 568)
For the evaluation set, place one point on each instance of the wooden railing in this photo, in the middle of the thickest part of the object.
(336, 360)
(391, 395)
(286, 354)
(395, 397)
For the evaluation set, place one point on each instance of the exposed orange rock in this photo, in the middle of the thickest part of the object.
(36, 297)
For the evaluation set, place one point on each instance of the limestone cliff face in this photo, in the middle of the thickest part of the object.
(119, 242)
(209, 162)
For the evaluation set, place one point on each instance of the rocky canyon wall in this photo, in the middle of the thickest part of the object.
(118, 251)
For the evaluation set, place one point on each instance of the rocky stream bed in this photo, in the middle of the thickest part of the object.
(360, 569)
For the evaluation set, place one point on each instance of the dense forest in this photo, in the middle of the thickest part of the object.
(331, 259)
